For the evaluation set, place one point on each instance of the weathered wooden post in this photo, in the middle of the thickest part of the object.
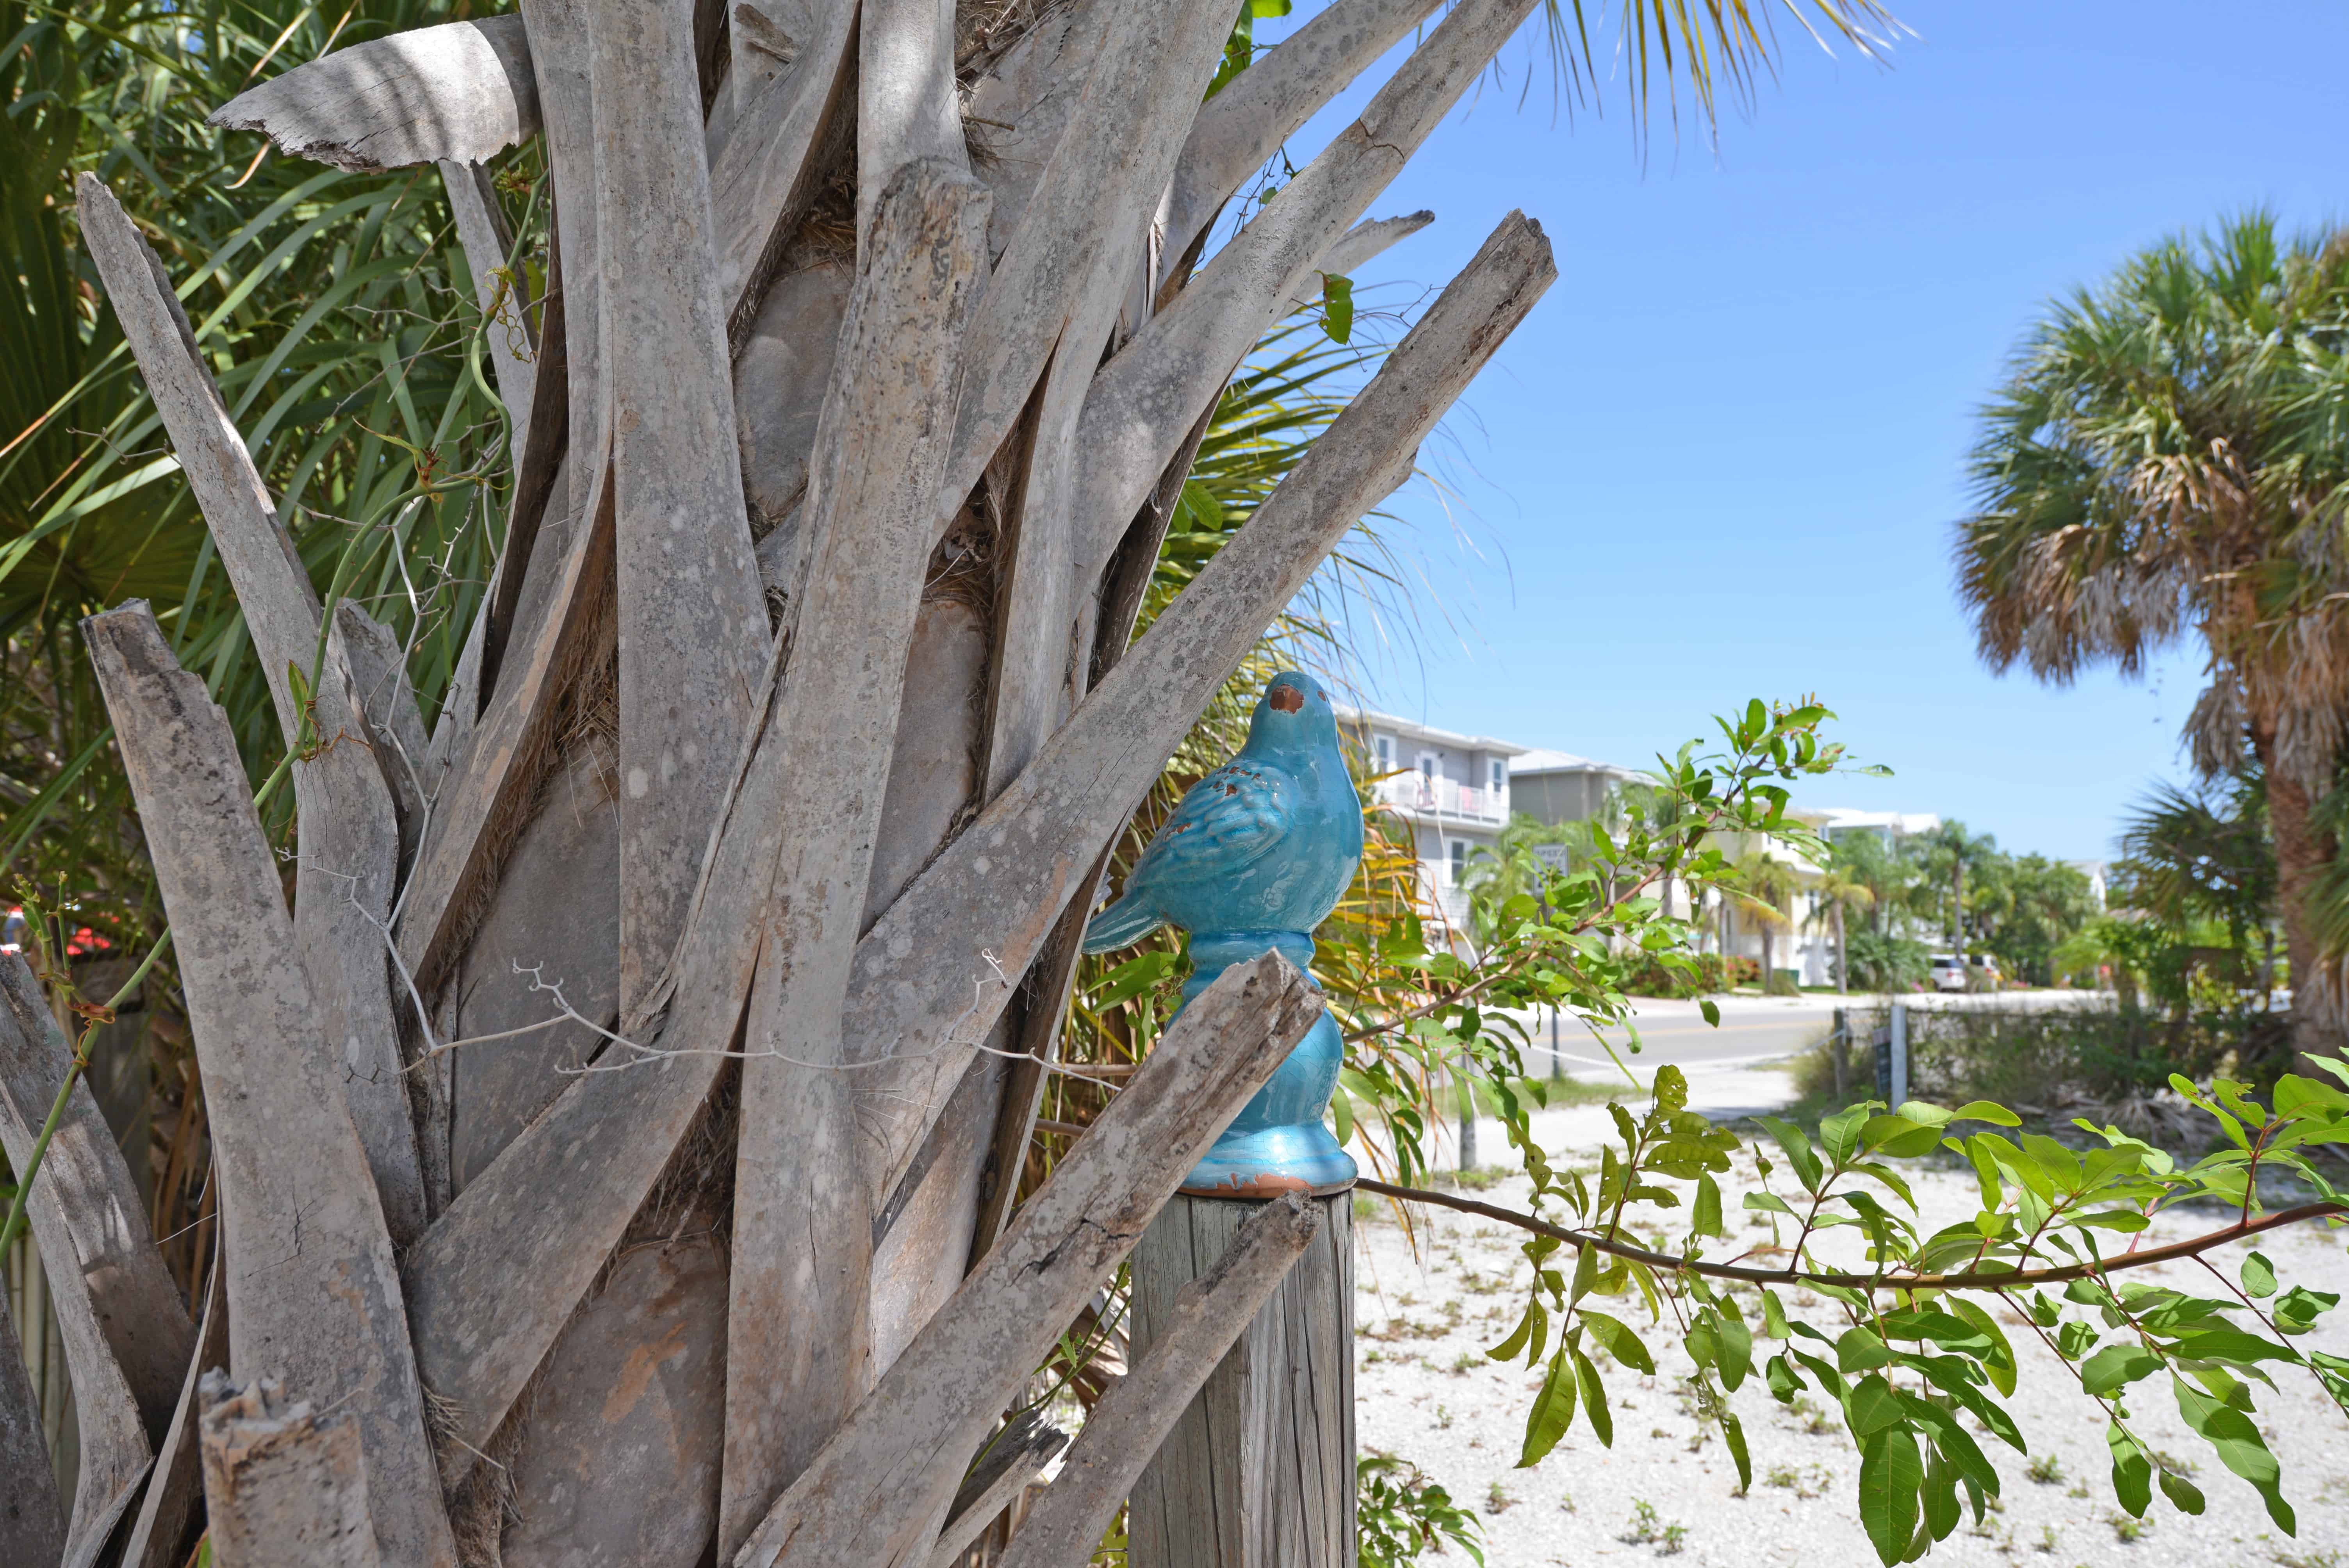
(1258, 1472)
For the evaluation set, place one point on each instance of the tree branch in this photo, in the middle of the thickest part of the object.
(1972, 1279)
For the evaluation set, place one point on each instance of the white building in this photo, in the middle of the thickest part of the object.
(1891, 827)
(1456, 792)
(1452, 790)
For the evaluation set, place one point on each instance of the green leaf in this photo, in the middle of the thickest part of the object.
(1732, 1432)
(1941, 1327)
(2259, 1277)
(2116, 1367)
(1839, 1134)
(1131, 978)
(1705, 1221)
(1875, 1170)
(1955, 1443)
(1804, 1160)
(1773, 1315)
(1737, 1351)
(1619, 1341)
(1337, 300)
(1858, 1350)
(2239, 1447)
(1985, 1169)
(1585, 1274)
(2231, 1346)
(2182, 1493)
(1784, 1381)
(2062, 1166)
(1553, 1410)
(1764, 1202)
(1594, 1401)
(1999, 1362)
(1893, 1135)
(1939, 1497)
(2299, 1308)
(1953, 1377)
(2132, 1472)
(1710, 1010)
(1873, 1406)
(1985, 1110)
(1509, 1348)
(1890, 1476)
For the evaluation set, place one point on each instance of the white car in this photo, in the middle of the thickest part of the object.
(1947, 971)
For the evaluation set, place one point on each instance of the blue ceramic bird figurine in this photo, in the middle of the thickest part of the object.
(1255, 856)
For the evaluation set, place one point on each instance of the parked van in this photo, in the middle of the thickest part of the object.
(1950, 972)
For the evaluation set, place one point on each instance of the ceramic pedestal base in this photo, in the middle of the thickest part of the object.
(1278, 1144)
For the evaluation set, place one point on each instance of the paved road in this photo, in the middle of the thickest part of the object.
(1682, 1036)
(1752, 1029)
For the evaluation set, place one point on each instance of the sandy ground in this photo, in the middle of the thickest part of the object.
(1425, 1391)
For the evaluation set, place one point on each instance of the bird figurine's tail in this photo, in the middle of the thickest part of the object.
(1121, 924)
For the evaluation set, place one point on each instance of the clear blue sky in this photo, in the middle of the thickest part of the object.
(1722, 458)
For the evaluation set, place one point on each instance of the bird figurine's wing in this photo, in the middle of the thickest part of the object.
(1226, 821)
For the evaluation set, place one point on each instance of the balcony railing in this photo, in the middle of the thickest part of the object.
(1416, 791)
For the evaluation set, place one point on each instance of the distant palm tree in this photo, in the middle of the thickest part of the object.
(2202, 854)
(1510, 866)
(1764, 887)
(2169, 457)
(1946, 854)
(1663, 812)
(1869, 860)
(1837, 889)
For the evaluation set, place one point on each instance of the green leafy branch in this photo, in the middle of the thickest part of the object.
(1416, 1010)
(1912, 1353)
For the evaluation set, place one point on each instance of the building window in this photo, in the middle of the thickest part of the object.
(1382, 752)
(1459, 848)
(1427, 766)
(1500, 775)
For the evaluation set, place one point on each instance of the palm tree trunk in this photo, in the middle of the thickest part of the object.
(1843, 955)
(1957, 909)
(2302, 851)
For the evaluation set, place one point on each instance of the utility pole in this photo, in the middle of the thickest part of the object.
(1466, 1086)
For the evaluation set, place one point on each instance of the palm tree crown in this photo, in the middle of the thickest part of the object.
(2171, 454)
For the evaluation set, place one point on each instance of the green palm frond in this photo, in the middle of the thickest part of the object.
(337, 315)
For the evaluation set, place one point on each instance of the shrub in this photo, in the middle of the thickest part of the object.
(1881, 963)
(2011, 1055)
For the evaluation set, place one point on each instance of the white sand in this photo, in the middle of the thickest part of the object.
(1431, 1397)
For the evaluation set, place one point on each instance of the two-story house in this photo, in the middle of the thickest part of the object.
(1554, 786)
(1453, 790)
